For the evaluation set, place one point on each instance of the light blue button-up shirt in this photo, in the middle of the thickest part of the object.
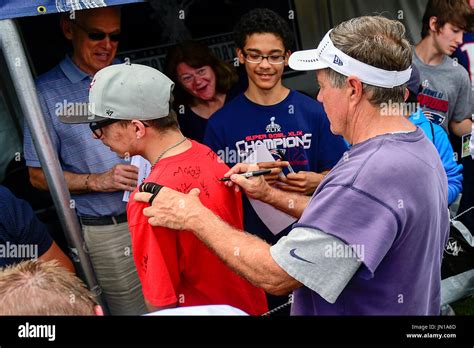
(77, 150)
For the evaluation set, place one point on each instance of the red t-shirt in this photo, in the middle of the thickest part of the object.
(175, 266)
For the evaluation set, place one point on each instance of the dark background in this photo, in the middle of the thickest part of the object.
(149, 28)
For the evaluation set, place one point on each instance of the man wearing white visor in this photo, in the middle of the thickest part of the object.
(370, 240)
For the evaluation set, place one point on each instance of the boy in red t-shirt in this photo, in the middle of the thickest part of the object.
(131, 111)
(174, 266)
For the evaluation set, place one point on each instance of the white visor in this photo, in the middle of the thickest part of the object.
(328, 56)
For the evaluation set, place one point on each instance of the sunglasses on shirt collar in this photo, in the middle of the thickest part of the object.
(99, 35)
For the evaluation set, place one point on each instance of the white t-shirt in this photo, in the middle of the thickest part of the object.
(201, 310)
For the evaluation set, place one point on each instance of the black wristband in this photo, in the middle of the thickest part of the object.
(152, 188)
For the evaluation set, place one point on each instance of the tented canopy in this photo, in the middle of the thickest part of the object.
(25, 8)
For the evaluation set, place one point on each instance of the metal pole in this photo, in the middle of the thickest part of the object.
(10, 44)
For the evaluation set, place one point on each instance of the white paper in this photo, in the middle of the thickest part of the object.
(144, 169)
(471, 141)
(466, 145)
(274, 219)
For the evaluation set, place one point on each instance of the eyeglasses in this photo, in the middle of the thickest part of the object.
(258, 58)
(96, 127)
(99, 35)
(187, 79)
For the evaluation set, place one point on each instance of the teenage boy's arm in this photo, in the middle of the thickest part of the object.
(451, 167)
(461, 128)
(302, 182)
(461, 123)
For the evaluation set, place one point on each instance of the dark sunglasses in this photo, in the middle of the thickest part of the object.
(96, 127)
(98, 35)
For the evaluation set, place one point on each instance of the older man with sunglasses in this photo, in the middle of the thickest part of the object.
(96, 176)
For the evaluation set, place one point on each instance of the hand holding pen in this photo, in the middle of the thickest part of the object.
(257, 188)
(271, 176)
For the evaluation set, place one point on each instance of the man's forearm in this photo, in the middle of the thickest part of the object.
(76, 183)
(244, 253)
(291, 203)
(121, 177)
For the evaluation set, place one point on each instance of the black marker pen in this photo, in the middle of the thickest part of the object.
(250, 174)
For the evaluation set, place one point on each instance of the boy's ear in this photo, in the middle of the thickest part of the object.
(139, 128)
(287, 56)
(434, 24)
(240, 55)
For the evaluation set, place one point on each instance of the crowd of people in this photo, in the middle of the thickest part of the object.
(359, 174)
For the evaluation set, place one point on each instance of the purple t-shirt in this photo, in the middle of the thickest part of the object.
(387, 195)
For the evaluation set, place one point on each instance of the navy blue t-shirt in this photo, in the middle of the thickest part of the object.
(22, 235)
(192, 125)
(297, 125)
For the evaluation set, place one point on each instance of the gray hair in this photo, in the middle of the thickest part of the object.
(379, 42)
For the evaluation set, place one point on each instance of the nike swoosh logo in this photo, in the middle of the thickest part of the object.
(293, 254)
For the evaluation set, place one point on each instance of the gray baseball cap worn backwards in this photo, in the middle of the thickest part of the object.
(126, 92)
